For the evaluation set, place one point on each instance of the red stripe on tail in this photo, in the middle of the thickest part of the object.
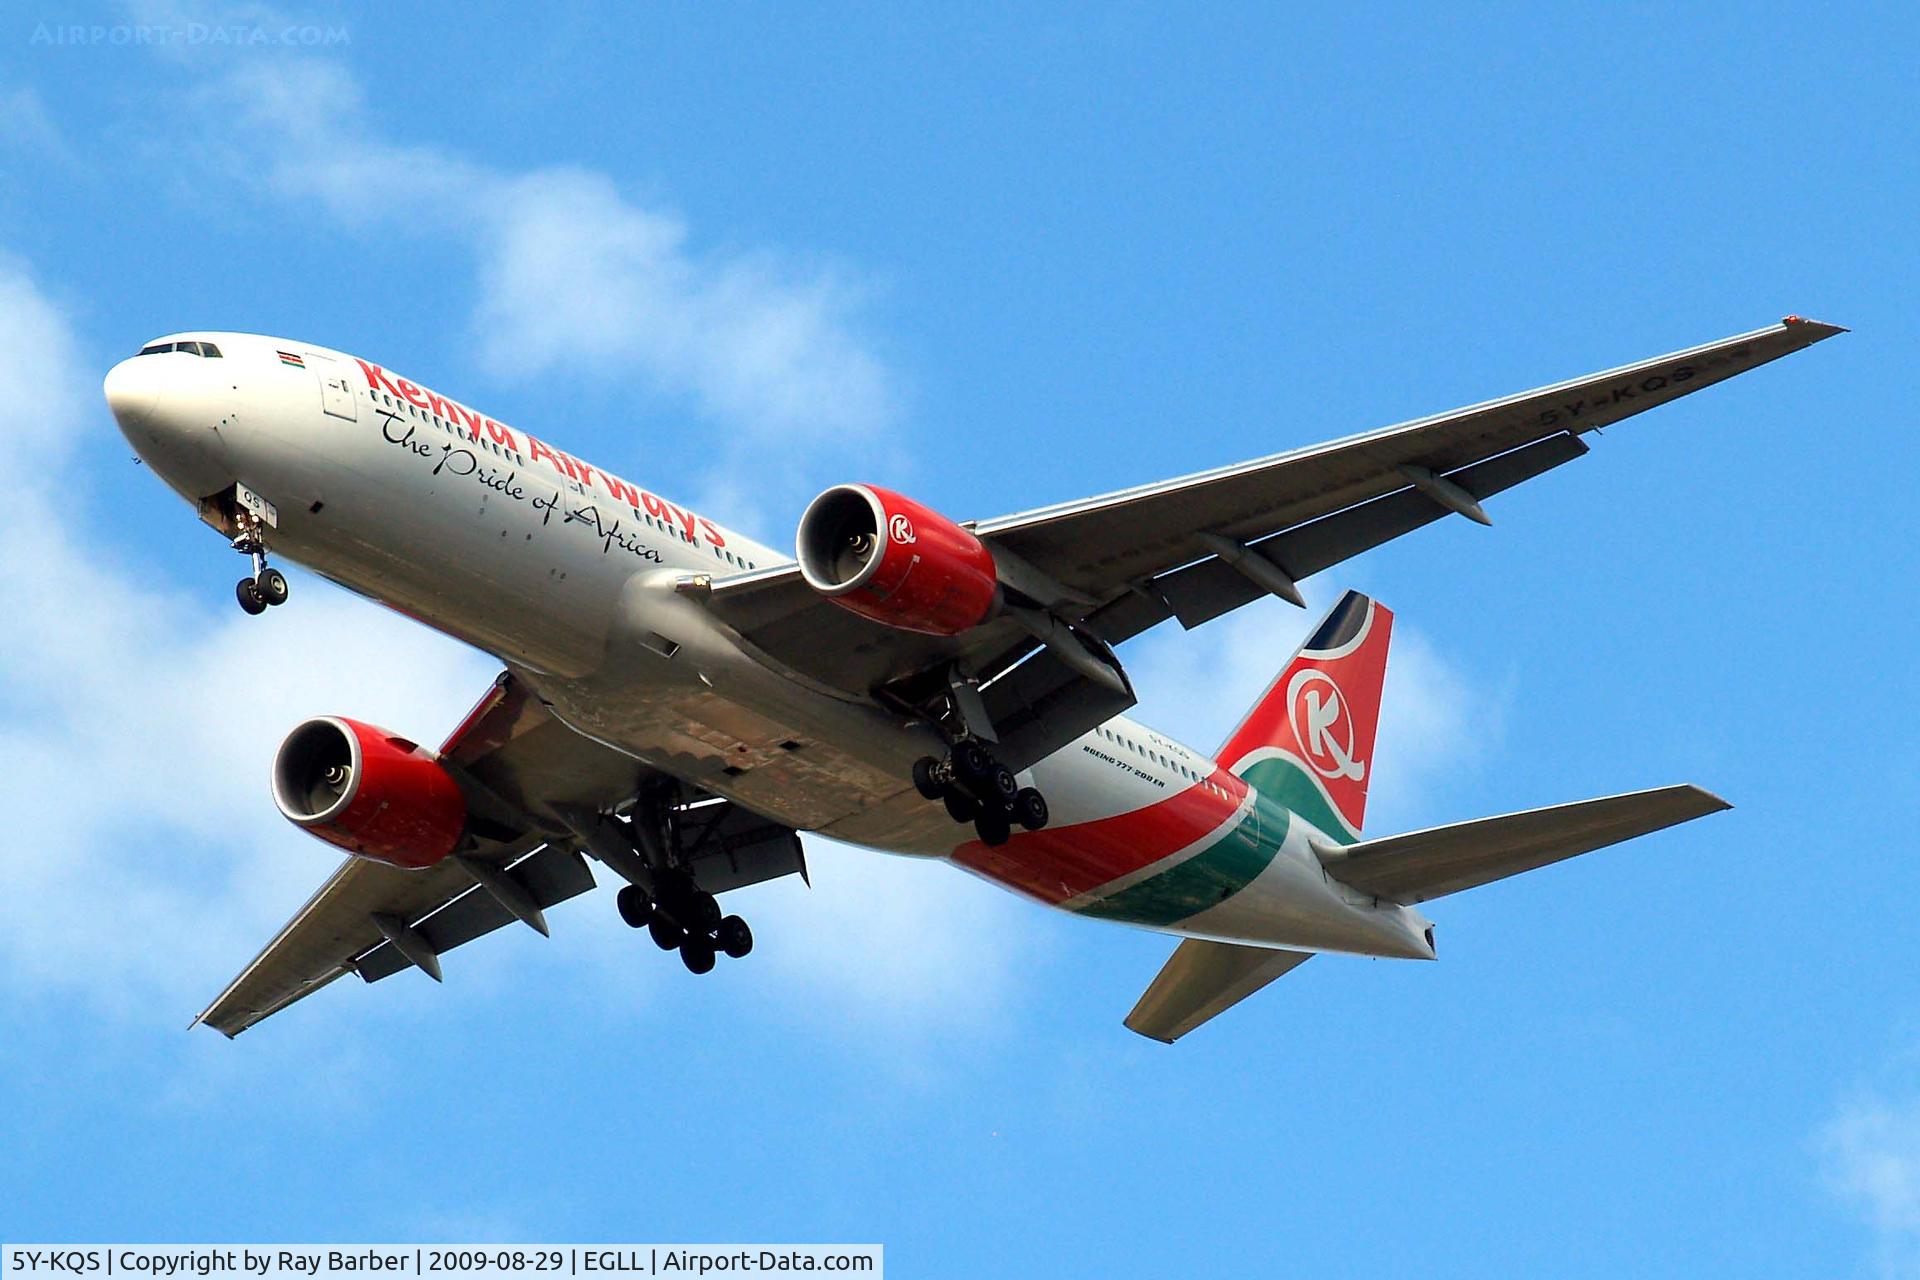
(1057, 863)
(1324, 708)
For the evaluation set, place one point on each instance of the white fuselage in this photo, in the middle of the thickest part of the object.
(568, 575)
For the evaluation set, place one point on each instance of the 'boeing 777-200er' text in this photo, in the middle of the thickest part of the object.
(679, 701)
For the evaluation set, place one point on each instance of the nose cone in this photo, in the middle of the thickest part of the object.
(131, 389)
(170, 411)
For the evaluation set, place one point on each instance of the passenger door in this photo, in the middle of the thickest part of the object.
(336, 396)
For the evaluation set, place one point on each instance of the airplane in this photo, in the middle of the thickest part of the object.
(678, 701)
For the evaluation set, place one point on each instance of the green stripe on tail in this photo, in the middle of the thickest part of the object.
(1205, 879)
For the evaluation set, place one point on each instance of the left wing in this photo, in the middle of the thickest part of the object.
(524, 773)
(1193, 548)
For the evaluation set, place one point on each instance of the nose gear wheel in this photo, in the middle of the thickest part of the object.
(267, 586)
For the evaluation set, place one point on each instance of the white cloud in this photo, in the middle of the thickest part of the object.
(1870, 1159)
(1438, 722)
(577, 278)
(35, 341)
(915, 943)
(26, 124)
(144, 861)
(751, 339)
(136, 723)
(912, 948)
(573, 276)
(147, 724)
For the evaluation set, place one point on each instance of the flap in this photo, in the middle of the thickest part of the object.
(548, 877)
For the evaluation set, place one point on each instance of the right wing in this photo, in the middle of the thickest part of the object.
(520, 769)
(1203, 980)
(1441, 860)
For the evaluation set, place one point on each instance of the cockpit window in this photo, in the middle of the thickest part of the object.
(188, 348)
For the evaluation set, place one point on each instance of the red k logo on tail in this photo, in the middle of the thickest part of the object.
(1316, 722)
(1323, 725)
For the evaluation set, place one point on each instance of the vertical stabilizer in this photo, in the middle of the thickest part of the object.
(1308, 741)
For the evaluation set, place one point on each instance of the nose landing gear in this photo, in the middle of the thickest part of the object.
(979, 789)
(267, 586)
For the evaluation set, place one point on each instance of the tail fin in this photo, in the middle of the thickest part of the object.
(1308, 741)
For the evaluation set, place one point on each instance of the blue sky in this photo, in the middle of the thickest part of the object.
(1001, 257)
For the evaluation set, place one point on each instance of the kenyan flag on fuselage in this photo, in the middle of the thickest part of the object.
(1308, 742)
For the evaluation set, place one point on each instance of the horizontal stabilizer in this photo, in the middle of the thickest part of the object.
(1203, 979)
(1442, 860)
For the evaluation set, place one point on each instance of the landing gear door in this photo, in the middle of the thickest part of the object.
(336, 396)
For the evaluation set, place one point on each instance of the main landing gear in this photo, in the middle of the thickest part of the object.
(979, 789)
(267, 586)
(663, 898)
(687, 919)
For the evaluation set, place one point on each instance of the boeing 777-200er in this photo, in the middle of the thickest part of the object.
(679, 701)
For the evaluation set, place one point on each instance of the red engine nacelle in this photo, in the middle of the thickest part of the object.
(375, 795)
(888, 558)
